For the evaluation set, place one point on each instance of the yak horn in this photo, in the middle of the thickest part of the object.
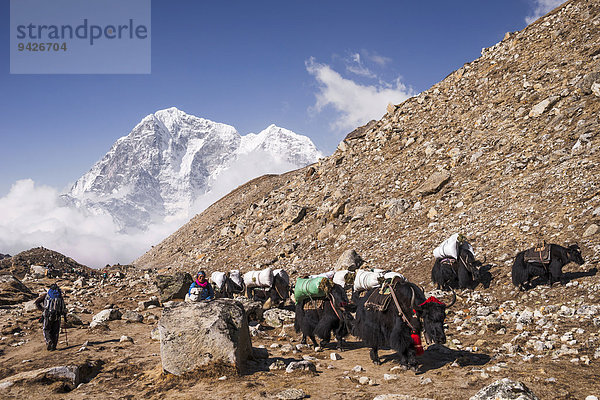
(453, 299)
(412, 299)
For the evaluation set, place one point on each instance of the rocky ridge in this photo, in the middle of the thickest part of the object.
(20, 264)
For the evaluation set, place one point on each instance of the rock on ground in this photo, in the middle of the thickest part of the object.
(291, 394)
(434, 183)
(173, 286)
(505, 389)
(104, 316)
(69, 373)
(276, 317)
(349, 260)
(304, 365)
(132, 316)
(195, 335)
(13, 291)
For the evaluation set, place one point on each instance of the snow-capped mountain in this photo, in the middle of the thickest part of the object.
(171, 159)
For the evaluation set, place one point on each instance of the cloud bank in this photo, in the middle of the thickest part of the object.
(355, 103)
(541, 8)
(35, 215)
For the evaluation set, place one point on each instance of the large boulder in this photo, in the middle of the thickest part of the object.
(197, 335)
(172, 287)
(13, 291)
(505, 389)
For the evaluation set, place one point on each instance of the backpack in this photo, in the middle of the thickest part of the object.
(195, 294)
(54, 305)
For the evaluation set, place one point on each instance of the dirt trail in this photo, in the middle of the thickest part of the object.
(132, 370)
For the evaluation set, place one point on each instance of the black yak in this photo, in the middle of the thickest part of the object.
(448, 273)
(274, 296)
(384, 325)
(322, 316)
(546, 262)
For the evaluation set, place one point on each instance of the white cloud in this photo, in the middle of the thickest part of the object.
(34, 215)
(542, 7)
(356, 66)
(376, 58)
(356, 104)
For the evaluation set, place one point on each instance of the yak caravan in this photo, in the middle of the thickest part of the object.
(446, 248)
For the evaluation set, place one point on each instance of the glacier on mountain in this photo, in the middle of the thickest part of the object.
(172, 165)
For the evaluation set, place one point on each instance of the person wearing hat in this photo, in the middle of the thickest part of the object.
(53, 307)
(200, 289)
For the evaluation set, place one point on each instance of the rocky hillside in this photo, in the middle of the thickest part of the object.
(19, 264)
(505, 150)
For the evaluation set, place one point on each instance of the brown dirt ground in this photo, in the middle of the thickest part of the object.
(133, 370)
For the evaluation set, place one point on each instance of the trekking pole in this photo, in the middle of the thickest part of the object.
(66, 337)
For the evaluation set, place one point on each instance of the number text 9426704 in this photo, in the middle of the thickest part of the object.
(40, 47)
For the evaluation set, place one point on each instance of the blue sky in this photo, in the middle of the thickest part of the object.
(248, 64)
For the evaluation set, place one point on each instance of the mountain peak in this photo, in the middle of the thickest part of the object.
(171, 158)
(170, 114)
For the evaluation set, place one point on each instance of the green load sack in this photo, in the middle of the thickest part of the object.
(312, 288)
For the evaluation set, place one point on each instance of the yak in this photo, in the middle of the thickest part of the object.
(393, 327)
(273, 296)
(448, 273)
(228, 289)
(548, 266)
(321, 317)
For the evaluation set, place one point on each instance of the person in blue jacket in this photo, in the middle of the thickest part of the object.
(205, 291)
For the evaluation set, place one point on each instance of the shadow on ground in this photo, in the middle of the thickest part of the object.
(436, 356)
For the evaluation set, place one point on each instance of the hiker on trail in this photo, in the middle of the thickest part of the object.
(200, 289)
(53, 308)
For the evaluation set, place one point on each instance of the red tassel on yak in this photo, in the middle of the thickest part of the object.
(416, 338)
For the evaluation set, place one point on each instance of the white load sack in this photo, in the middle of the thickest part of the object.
(340, 278)
(449, 248)
(218, 278)
(261, 279)
(193, 295)
(366, 280)
(391, 275)
(282, 274)
(328, 275)
(236, 277)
